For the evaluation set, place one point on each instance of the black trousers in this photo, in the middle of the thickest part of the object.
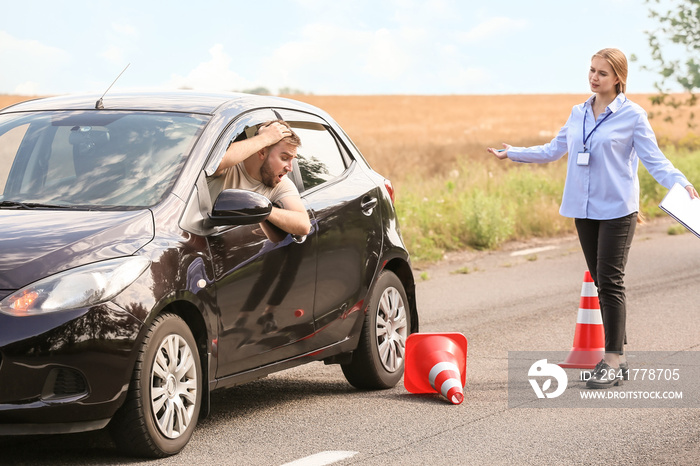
(606, 245)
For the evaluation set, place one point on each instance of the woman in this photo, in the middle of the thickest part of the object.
(605, 138)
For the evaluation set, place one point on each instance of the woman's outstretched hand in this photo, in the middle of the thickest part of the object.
(500, 153)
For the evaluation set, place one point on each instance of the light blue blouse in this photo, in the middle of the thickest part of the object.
(608, 186)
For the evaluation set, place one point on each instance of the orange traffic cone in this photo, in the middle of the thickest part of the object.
(589, 337)
(436, 362)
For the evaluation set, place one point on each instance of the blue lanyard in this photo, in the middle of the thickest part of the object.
(586, 138)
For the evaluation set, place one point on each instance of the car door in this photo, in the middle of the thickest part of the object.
(343, 201)
(265, 284)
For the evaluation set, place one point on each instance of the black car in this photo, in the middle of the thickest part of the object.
(131, 287)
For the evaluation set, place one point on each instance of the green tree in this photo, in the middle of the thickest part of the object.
(260, 90)
(678, 25)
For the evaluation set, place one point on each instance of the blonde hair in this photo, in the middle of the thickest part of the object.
(618, 61)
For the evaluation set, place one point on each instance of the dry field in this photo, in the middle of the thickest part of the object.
(426, 135)
(400, 135)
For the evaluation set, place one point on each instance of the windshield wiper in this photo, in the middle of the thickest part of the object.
(31, 205)
(15, 204)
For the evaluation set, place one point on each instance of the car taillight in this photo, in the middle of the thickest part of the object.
(390, 189)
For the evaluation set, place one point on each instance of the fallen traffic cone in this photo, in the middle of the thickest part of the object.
(589, 337)
(436, 362)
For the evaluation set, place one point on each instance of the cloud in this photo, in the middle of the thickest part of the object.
(28, 88)
(113, 54)
(122, 39)
(392, 53)
(125, 30)
(321, 51)
(10, 44)
(455, 74)
(493, 27)
(212, 75)
(421, 13)
(31, 60)
(328, 58)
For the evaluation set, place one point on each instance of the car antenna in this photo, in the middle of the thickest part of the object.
(98, 104)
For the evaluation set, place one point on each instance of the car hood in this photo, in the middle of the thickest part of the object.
(36, 244)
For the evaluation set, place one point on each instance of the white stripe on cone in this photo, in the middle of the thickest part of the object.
(589, 316)
(448, 384)
(439, 367)
(588, 290)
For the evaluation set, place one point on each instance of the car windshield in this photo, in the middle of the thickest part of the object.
(92, 159)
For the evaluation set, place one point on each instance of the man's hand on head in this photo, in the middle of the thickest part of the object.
(239, 151)
(273, 133)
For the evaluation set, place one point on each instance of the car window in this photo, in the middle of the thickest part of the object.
(9, 142)
(94, 159)
(319, 156)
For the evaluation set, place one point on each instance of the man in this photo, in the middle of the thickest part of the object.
(260, 164)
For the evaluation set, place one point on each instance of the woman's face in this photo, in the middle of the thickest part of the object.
(602, 78)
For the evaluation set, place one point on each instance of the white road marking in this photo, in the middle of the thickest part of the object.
(525, 252)
(323, 458)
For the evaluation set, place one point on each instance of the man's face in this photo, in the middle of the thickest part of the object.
(277, 163)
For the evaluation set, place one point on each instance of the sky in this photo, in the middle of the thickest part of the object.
(323, 47)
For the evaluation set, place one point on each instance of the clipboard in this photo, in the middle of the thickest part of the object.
(686, 211)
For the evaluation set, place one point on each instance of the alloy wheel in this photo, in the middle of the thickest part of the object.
(392, 329)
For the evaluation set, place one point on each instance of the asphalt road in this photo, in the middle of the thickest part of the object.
(523, 298)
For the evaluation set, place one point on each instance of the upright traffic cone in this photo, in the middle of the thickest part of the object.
(589, 337)
(436, 362)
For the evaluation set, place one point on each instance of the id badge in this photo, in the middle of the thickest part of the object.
(583, 158)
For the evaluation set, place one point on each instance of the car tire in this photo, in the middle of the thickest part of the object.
(378, 361)
(165, 393)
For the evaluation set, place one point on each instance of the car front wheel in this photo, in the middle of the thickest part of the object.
(378, 361)
(165, 394)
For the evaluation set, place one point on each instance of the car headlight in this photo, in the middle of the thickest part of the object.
(80, 287)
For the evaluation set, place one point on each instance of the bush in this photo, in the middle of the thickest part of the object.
(487, 220)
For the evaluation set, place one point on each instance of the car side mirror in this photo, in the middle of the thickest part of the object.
(239, 207)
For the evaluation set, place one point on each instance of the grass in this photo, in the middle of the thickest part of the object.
(482, 204)
(651, 193)
(676, 229)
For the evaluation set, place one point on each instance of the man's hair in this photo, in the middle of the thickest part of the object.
(293, 139)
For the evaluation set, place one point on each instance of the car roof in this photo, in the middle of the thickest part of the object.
(162, 101)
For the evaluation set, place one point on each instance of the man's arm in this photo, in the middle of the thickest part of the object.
(291, 216)
(238, 151)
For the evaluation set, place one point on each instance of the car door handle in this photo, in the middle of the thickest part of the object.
(368, 204)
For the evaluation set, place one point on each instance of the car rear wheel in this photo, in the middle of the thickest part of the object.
(165, 394)
(378, 361)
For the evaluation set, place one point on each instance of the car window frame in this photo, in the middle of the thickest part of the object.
(231, 131)
(297, 116)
